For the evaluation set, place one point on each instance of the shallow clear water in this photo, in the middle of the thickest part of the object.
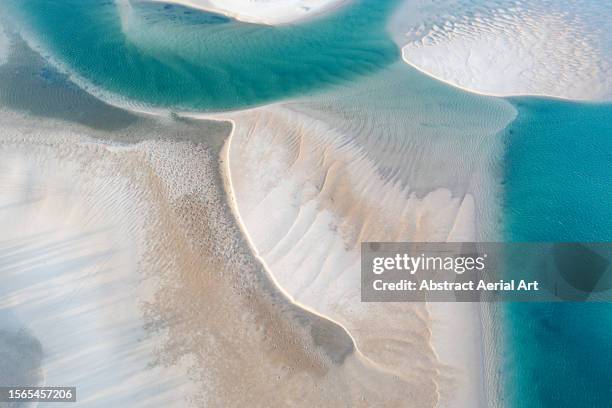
(171, 56)
(558, 184)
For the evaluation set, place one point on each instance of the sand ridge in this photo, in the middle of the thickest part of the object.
(307, 196)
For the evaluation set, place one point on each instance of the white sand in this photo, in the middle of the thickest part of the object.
(508, 48)
(271, 12)
(307, 204)
(308, 194)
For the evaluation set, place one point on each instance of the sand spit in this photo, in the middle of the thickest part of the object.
(309, 186)
(308, 225)
(126, 276)
(509, 48)
(270, 12)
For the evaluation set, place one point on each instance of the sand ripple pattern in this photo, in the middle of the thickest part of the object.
(310, 187)
(382, 160)
(558, 49)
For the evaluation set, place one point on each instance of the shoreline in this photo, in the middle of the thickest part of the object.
(501, 95)
(224, 162)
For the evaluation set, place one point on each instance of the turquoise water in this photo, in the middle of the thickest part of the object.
(558, 183)
(171, 56)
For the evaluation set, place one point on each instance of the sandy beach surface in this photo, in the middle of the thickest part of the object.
(126, 276)
(507, 48)
(309, 187)
(270, 12)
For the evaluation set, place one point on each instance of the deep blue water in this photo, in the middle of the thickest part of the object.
(558, 186)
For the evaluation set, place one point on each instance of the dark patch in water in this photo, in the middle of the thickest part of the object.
(28, 83)
(180, 14)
